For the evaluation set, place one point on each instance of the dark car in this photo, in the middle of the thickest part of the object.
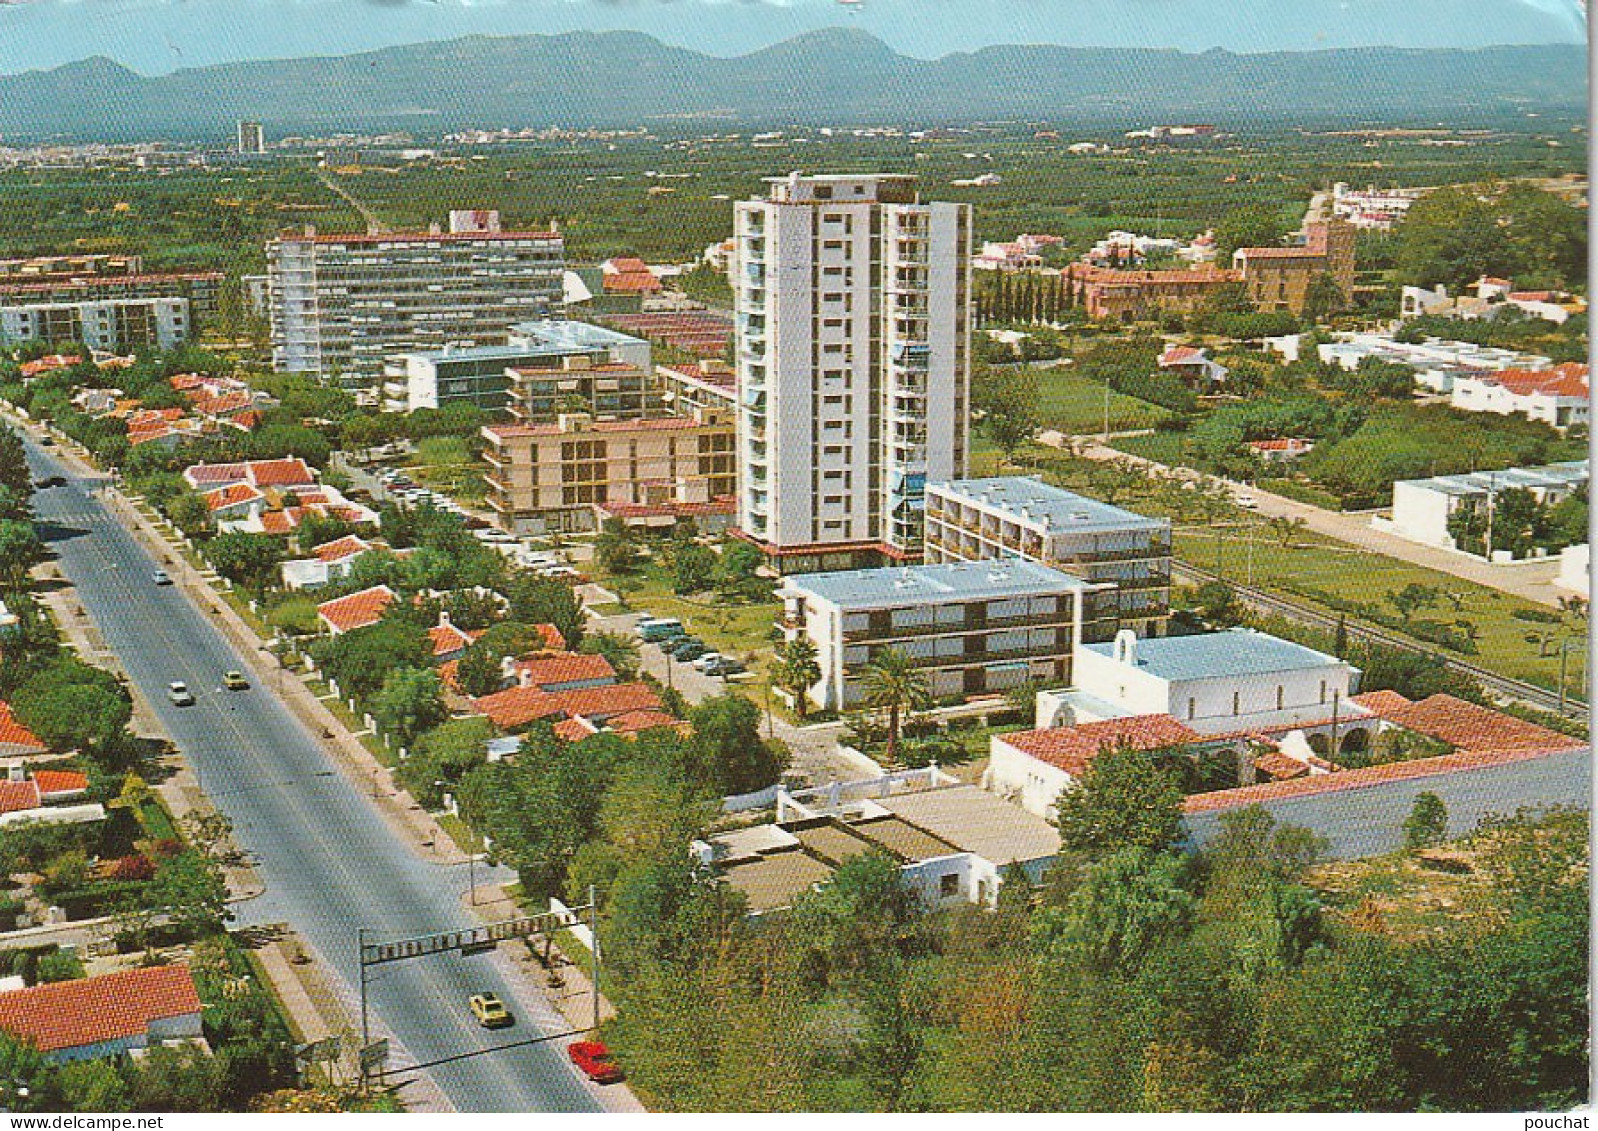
(593, 1059)
(689, 650)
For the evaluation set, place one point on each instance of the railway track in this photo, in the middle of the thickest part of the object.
(1513, 689)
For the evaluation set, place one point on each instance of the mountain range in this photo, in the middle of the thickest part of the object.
(838, 76)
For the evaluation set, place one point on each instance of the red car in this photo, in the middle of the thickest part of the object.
(594, 1060)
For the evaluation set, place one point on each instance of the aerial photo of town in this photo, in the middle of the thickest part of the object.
(793, 555)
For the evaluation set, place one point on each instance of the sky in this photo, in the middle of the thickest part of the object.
(157, 36)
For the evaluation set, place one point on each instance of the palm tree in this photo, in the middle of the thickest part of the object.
(796, 670)
(893, 684)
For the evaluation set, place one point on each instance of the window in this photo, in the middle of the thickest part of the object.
(1323, 691)
(1278, 697)
(948, 886)
(1237, 702)
(1192, 708)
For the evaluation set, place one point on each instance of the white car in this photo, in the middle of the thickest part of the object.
(704, 662)
(1247, 502)
(179, 693)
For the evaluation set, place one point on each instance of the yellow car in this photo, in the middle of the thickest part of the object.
(491, 1012)
(235, 681)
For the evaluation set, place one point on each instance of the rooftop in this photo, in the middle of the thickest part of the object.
(1235, 652)
(356, 610)
(1468, 727)
(1054, 508)
(1073, 748)
(978, 822)
(1481, 483)
(90, 1011)
(935, 584)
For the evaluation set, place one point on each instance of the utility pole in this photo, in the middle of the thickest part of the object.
(593, 943)
(360, 955)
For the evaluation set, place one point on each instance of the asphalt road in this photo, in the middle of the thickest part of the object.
(330, 863)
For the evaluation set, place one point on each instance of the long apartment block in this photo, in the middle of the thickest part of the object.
(1016, 518)
(340, 304)
(975, 628)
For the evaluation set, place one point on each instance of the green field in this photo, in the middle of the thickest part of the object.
(1328, 573)
(1075, 405)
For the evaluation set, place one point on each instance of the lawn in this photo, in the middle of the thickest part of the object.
(1074, 404)
(733, 629)
(1168, 448)
(1328, 573)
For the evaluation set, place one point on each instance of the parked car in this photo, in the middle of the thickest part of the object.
(725, 666)
(161, 577)
(689, 650)
(704, 660)
(491, 1012)
(1247, 502)
(235, 681)
(593, 1059)
(179, 693)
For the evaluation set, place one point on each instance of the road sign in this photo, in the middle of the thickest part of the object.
(325, 1049)
(469, 940)
(373, 1055)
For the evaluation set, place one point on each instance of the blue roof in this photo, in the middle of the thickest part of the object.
(564, 333)
(1235, 652)
(945, 583)
(1054, 508)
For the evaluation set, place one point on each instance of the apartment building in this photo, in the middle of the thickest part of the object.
(251, 139)
(118, 326)
(974, 627)
(1012, 517)
(705, 384)
(1279, 278)
(553, 475)
(1423, 508)
(853, 359)
(340, 304)
(528, 377)
(83, 279)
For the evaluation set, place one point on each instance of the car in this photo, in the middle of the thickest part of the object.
(725, 666)
(491, 1012)
(703, 661)
(161, 577)
(179, 693)
(235, 681)
(688, 651)
(47, 441)
(1247, 502)
(593, 1059)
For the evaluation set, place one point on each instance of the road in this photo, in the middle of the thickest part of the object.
(330, 862)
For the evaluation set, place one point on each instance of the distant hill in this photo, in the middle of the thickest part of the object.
(840, 76)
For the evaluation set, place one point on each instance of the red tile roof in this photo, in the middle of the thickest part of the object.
(553, 639)
(1380, 702)
(551, 668)
(636, 722)
(234, 494)
(574, 730)
(1279, 767)
(356, 610)
(1471, 728)
(52, 782)
(48, 363)
(19, 796)
(447, 638)
(1178, 355)
(724, 504)
(90, 1011)
(1073, 748)
(281, 473)
(341, 548)
(1567, 380)
(519, 706)
(184, 381)
(13, 733)
(419, 237)
(629, 281)
(1367, 778)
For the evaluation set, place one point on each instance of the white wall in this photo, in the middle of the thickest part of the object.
(1022, 779)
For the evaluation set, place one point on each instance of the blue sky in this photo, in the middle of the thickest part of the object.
(155, 36)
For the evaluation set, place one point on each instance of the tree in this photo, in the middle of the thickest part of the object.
(1285, 528)
(1254, 225)
(1217, 605)
(892, 683)
(189, 888)
(796, 669)
(1323, 297)
(20, 551)
(1427, 823)
(447, 753)
(360, 660)
(250, 560)
(1128, 903)
(1412, 598)
(15, 474)
(409, 702)
(693, 568)
(731, 756)
(189, 513)
(614, 548)
(1126, 799)
(546, 600)
(478, 672)
(736, 574)
(621, 652)
(71, 705)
